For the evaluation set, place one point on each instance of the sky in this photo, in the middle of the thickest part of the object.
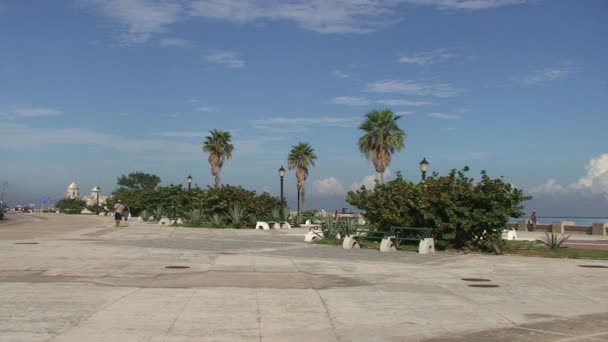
(93, 89)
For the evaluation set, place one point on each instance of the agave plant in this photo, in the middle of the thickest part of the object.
(237, 216)
(160, 212)
(216, 220)
(195, 217)
(329, 226)
(285, 213)
(276, 214)
(555, 241)
(349, 227)
(145, 215)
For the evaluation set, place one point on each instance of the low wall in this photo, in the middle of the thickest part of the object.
(563, 227)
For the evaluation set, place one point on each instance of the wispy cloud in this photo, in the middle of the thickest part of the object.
(227, 59)
(340, 73)
(183, 134)
(208, 109)
(545, 76)
(176, 42)
(409, 87)
(139, 19)
(397, 102)
(350, 101)
(430, 57)
(193, 100)
(443, 116)
(404, 112)
(472, 5)
(298, 124)
(33, 112)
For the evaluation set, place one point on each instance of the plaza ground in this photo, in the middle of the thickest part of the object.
(78, 278)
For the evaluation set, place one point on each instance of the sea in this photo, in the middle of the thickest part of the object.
(579, 221)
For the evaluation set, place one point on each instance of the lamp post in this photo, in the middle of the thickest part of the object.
(424, 167)
(189, 179)
(282, 175)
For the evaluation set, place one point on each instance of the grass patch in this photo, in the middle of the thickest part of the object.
(537, 249)
(330, 241)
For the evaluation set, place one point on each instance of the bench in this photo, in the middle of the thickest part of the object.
(409, 234)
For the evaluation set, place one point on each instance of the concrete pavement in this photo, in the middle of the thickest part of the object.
(80, 279)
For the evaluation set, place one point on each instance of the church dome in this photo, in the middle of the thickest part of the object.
(73, 186)
(96, 189)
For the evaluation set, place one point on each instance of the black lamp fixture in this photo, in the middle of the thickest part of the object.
(424, 167)
(189, 179)
(282, 175)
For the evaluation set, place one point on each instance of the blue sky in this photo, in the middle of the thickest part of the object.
(92, 89)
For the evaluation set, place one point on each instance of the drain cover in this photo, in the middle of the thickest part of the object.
(483, 285)
(177, 267)
(475, 279)
(593, 266)
(26, 243)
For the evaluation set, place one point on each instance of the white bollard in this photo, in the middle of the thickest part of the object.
(285, 225)
(387, 245)
(262, 225)
(509, 234)
(426, 246)
(313, 235)
(164, 222)
(350, 242)
(276, 225)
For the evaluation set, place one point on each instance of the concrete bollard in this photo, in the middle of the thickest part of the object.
(509, 234)
(164, 222)
(558, 227)
(285, 225)
(387, 245)
(262, 225)
(276, 225)
(599, 229)
(350, 242)
(426, 246)
(313, 235)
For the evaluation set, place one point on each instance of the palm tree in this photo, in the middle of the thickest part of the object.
(219, 148)
(382, 138)
(300, 158)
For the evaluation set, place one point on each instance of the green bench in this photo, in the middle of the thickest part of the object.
(408, 234)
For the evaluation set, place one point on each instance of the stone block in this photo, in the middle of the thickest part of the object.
(387, 245)
(285, 225)
(522, 225)
(276, 225)
(558, 227)
(426, 246)
(350, 242)
(262, 225)
(599, 229)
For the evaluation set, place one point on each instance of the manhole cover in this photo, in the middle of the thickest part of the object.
(26, 243)
(177, 267)
(482, 285)
(475, 279)
(593, 266)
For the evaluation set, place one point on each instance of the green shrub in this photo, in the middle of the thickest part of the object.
(194, 217)
(70, 205)
(461, 212)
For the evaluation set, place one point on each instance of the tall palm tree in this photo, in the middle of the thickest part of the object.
(219, 148)
(300, 158)
(381, 139)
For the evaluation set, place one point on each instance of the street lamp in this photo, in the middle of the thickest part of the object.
(424, 167)
(189, 179)
(282, 175)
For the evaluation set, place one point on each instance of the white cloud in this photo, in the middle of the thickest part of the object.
(228, 59)
(21, 137)
(430, 57)
(34, 112)
(208, 109)
(339, 73)
(139, 19)
(298, 124)
(328, 186)
(397, 102)
(404, 112)
(443, 116)
(176, 42)
(595, 181)
(328, 16)
(410, 87)
(350, 101)
(183, 134)
(369, 181)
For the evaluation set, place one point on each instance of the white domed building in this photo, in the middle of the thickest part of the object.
(94, 197)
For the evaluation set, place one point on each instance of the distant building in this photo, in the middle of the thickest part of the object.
(94, 197)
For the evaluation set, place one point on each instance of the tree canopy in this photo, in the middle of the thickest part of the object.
(139, 180)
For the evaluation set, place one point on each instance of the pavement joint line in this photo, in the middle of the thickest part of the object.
(331, 320)
(180, 313)
(103, 307)
(570, 336)
(577, 338)
(258, 313)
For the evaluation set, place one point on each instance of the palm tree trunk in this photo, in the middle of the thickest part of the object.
(381, 177)
(303, 194)
(217, 180)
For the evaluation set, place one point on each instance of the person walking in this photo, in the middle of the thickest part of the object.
(534, 218)
(126, 212)
(118, 209)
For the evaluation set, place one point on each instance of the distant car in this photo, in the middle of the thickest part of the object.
(26, 209)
